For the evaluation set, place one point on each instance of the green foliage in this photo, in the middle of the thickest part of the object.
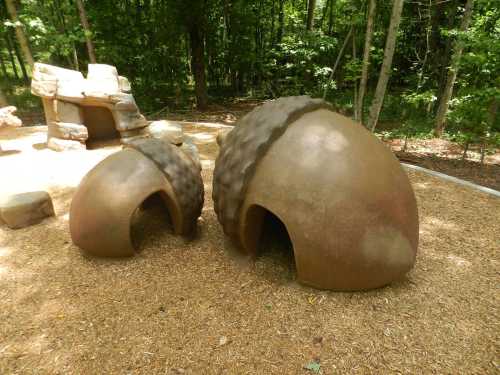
(250, 50)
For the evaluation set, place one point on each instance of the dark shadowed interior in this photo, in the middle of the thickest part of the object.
(269, 236)
(100, 125)
(150, 218)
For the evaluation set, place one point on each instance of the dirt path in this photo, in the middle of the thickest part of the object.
(197, 307)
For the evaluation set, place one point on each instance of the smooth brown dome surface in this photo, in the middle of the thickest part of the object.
(107, 197)
(343, 197)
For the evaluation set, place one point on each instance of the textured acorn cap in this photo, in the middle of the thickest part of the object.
(343, 197)
(108, 196)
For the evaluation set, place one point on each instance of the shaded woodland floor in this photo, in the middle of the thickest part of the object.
(198, 307)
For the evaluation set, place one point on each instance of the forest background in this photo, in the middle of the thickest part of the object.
(407, 69)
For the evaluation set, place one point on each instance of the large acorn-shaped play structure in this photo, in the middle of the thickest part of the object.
(109, 195)
(342, 195)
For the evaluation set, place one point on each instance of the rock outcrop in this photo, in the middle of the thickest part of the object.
(70, 102)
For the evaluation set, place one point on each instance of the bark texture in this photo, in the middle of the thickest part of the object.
(198, 65)
(451, 76)
(86, 29)
(21, 37)
(385, 70)
(310, 14)
(366, 59)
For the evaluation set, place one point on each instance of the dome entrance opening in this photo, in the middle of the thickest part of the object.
(150, 218)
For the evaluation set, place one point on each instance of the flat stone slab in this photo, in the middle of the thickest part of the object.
(59, 145)
(68, 131)
(166, 130)
(25, 209)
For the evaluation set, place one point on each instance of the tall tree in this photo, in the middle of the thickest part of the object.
(310, 14)
(21, 37)
(452, 72)
(3, 100)
(390, 44)
(281, 21)
(366, 59)
(87, 31)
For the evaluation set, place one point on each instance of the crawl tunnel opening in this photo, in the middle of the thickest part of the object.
(101, 126)
(150, 220)
(267, 236)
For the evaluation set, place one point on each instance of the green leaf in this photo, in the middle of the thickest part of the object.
(313, 366)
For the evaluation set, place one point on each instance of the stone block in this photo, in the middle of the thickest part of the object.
(102, 80)
(22, 210)
(129, 120)
(71, 90)
(68, 112)
(59, 145)
(45, 89)
(128, 104)
(166, 130)
(66, 130)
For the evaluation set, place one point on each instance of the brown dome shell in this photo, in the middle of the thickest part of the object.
(107, 197)
(342, 195)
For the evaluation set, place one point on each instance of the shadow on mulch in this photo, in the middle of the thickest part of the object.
(9, 152)
(482, 174)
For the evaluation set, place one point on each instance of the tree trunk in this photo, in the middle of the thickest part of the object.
(4, 68)
(366, 58)
(21, 37)
(354, 57)
(310, 14)
(385, 70)
(452, 73)
(281, 21)
(21, 62)
(339, 56)
(11, 55)
(3, 99)
(198, 65)
(330, 17)
(86, 29)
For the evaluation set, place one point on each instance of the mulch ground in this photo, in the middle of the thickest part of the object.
(198, 307)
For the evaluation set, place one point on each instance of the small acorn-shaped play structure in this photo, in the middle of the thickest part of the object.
(342, 195)
(109, 195)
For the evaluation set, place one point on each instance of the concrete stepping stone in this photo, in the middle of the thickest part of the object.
(25, 209)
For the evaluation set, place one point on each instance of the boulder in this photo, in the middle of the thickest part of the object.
(7, 117)
(68, 131)
(166, 130)
(22, 210)
(58, 144)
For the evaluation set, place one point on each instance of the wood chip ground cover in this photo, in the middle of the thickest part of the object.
(197, 307)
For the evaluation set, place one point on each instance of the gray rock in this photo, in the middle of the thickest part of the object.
(7, 117)
(68, 131)
(22, 210)
(166, 131)
(58, 144)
